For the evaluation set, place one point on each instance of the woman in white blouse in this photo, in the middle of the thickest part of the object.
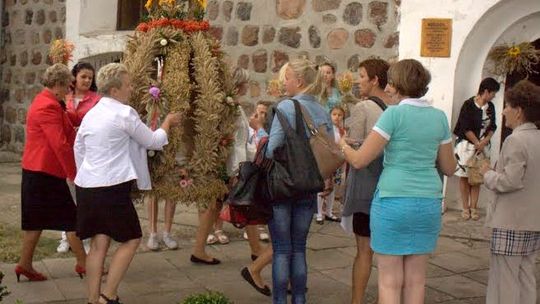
(110, 153)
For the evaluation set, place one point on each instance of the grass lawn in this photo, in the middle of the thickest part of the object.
(11, 241)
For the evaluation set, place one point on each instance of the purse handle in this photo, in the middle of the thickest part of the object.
(307, 118)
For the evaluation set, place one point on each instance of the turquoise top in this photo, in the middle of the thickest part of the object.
(333, 100)
(414, 131)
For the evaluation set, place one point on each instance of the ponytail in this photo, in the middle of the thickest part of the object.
(313, 80)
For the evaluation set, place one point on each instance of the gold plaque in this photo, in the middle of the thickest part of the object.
(436, 37)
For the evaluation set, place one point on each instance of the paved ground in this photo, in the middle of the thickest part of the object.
(457, 271)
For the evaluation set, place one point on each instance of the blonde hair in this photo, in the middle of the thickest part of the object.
(240, 76)
(307, 71)
(109, 76)
(57, 74)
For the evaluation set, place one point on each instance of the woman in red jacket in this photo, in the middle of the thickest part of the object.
(47, 161)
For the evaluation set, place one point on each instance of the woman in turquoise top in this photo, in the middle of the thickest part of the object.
(405, 212)
(331, 96)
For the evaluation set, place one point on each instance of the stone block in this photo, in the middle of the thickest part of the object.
(231, 38)
(325, 5)
(40, 17)
(36, 57)
(353, 62)
(19, 37)
(46, 36)
(329, 19)
(243, 61)
(250, 35)
(217, 32)
(290, 9)
(11, 114)
(392, 41)
(53, 16)
(279, 58)
(29, 78)
(6, 134)
(365, 38)
(337, 38)
(28, 16)
(353, 13)
(314, 37)
(254, 89)
(23, 58)
(459, 262)
(19, 95)
(212, 10)
(269, 33)
(243, 11)
(457, 285)
(58, 33)
(290, 36)
(378, 12)
(21, 116)
(35, 38)
(227, 10)
(12, 59)
(260, 61)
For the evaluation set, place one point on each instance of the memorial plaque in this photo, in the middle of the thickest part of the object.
(436, 37)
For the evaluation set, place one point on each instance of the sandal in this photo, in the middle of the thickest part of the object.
(474, 214)
(222, 238)
(465, 214)
(332, 218)
(211, 239)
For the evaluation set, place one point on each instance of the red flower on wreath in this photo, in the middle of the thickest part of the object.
(188, 26)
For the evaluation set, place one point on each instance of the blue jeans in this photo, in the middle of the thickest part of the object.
(289, 229)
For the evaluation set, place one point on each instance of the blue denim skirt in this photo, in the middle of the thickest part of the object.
(405, 225)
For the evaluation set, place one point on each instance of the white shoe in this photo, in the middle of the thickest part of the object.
(169, 241)
(153, 242)
(86, 245)
(63, 247)
(245, 236)
(211, 239)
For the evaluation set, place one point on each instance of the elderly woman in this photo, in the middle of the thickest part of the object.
(405, 216)
(513, 213)
(47, 161)
(110, 152)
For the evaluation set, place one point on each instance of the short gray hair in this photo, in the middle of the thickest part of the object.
(57, 74)
(109, 76)
(240, 76)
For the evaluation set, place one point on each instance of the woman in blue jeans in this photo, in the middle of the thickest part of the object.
(289, 226)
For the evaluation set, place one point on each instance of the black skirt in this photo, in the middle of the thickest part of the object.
(109, 211)
(46, 203)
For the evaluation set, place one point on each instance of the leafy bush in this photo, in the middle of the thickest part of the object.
(208, 298)
(3, 289)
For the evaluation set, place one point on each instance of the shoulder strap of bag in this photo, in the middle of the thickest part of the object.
(379, 102)
(299, 118)
(307, 118)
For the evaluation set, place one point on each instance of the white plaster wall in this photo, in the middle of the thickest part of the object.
(91, 26)
(477, 27)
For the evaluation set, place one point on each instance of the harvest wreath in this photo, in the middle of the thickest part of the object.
(176, 69)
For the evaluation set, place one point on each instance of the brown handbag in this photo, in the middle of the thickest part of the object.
(474, 164)
(327, 153)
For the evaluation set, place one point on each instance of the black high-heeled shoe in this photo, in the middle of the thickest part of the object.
(254, 257)
(110, 301)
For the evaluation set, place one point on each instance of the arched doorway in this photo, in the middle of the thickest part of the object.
(512, 79)
(505, 22)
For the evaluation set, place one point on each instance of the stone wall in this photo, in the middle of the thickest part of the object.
(28, 27)
(262, 35)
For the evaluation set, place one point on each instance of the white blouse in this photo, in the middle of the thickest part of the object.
(110, 147)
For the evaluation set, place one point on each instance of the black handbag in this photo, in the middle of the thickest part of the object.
(293, 173)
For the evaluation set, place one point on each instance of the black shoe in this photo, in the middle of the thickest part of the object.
(332, 218)
(254, 257)
(247, 276)
(320, 222)
(109, 301)
(197, 260)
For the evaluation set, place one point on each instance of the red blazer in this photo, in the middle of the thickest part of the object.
(76, 114)
(49, 138)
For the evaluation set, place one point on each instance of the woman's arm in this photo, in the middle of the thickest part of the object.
(372, 147)
(446, 159)
(510, 178)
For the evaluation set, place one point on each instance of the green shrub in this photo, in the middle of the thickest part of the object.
(208, 298)
(3, 289)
